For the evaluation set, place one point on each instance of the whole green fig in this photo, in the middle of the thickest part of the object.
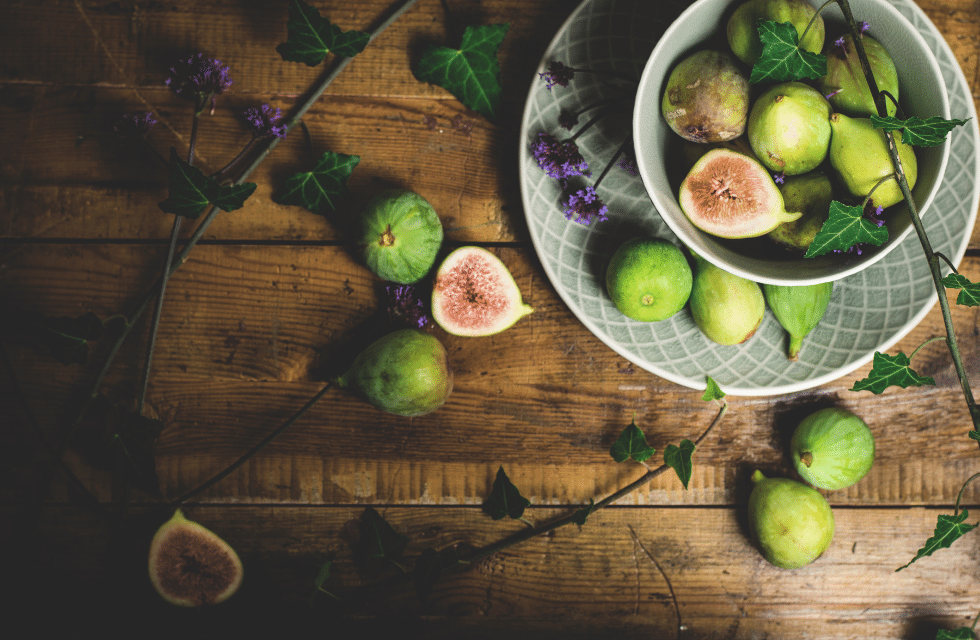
(743, 33)
(810, 195)
(399, 236)
(798, 309)
(789, 128)
(791, 522)
(727, 308)
(846, 83)
(406, 373)
(706, 98)
(859, 155)
(832, 448)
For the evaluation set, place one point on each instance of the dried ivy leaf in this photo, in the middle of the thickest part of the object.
(631, 443)
(310, 36)
(845, 227)
(888, 371)
(679, 459)
(191, 190)
(505, 499)
(948, 530)
(781, 59)
(324, 188)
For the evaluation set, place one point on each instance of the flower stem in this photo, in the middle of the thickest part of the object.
(251, 452)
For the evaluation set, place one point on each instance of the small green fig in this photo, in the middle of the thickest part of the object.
(790, 522)
(846, 83)
(832, 448)
(810, 194)
(798, 309)
(399, 236)
(706, 98)
(743, 32)
(789, 128)
(406, 373)
(859, 156)
(728, 309)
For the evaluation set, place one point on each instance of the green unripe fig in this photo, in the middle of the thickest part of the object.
(648, 279)
(798, 309)
(743, 32)
(846, 83)
(406, 373)
(832, 448)
(789, 128)
(730, 195)
(399, 236)
(810, 195)
(859, 156)
(706, 98)
(790, 522)
(728, 309)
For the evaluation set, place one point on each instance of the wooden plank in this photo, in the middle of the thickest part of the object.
(248, 332)
(601, 578)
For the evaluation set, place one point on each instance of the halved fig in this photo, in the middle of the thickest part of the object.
(731, 195)
(190, 566)
(475, 295)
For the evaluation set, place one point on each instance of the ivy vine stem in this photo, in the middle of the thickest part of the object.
(931, 257)
(268, 144)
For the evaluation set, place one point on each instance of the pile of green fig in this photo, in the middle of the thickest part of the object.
(814, 139)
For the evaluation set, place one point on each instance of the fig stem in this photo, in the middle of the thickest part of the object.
(795, 344)
(806, 458)
(266, 145)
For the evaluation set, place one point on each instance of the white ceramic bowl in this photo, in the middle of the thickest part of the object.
(922, 92)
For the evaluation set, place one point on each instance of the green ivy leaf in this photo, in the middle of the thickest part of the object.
(969, 291)
(781, 59)
(631, 443)
(712, 391)
(323, 189)
(581, 515)
(123, 442)
(310, 37)
(888, 371)
(191, 190)
(322, 576)
(472, 72)
(679, 459)
(505, 499)
(379, 542)
(948, 530)
(963, 633)
(845, 227)
(930, 132)
(63, 337)
(429, 567)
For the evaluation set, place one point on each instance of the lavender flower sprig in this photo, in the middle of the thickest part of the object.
(265, 121)
(199, 79)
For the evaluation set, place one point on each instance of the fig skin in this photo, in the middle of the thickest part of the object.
(190, 566)
(406, 373)
(810, 194)
(730, 195)
(726, 308)
(845, 78)
(706, 98)
(791, 523)
(648, 279)
(789, 128)
(832, 448)
(743, 33)
(399, 236)
(798, 309)
(859, 156)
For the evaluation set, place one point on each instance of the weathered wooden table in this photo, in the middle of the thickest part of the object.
(272, 300)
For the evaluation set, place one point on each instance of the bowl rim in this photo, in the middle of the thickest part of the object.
(690, 236)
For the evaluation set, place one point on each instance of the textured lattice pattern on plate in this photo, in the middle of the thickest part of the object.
(869, 311)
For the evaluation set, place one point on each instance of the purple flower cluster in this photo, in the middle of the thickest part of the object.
(779, 178)
(198, 78)
(584, 206)
(557, 74)
(405, 307)
(265, 121)
(132, 127)
(863, 26)
(559, 159)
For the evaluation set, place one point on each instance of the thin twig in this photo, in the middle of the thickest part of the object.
(670, 587)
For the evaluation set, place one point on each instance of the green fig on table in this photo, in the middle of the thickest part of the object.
(791, 523)
(832, 448)
(798, 309)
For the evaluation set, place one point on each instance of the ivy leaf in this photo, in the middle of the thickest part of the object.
(323, 189)
(63, 337)
(969, 291)
(712, 391)
(974, 435)
(948, 530)
(505, 499)
(472, 72)
(888, 371)
(679, 459)
(845, 227)
(429, 567)
(631, 444)
(322, 576)
(310, 37)
(379, 542)
(930, 132)
(581, 515)
(122, 442)
(782, 60)
(963, 633)
(191, 190)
